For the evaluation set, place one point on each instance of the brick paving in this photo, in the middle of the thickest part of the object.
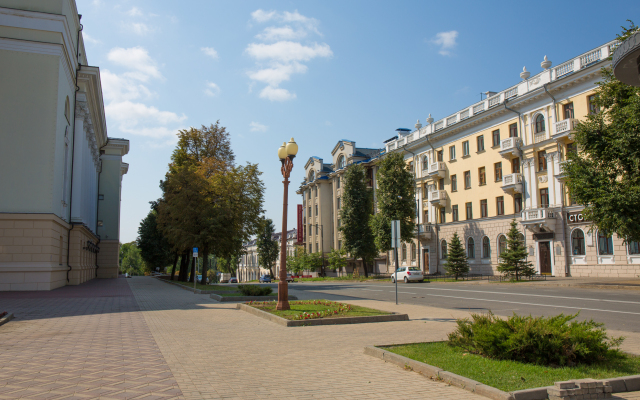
(141, 338)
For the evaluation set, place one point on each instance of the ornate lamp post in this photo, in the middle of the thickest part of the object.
(286, 154)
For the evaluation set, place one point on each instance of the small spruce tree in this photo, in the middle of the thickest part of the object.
(514, 261)
(457, 263)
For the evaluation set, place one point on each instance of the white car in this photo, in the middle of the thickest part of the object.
(407, 274)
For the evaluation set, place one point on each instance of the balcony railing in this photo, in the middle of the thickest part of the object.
(564, 129)
(494, 101)
(537, 214)
(539, 137)
(439, 197)
(509, 143)
(590, 58)
(561, 175)
(511, 93)
(437, 168)
(478, 108)
(439, 125)
(564, 69)
(423, 231)
(464, 114)
(512, 183)
(452, 120)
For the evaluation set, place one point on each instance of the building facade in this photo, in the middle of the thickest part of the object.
(249, 268)
(60, 205)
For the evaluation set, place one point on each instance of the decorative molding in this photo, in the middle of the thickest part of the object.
(543, 178)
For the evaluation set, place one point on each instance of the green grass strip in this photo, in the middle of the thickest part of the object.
(302, 306)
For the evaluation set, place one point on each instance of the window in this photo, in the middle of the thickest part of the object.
(443, 249)
(309, 214)
(568, 110)
(440, 155)
(486, 247)
(469, 207)
(467, 180)
(634, 247)
(341, 163)
(315, 189)
(316, 210)
(540, 123)
(484, 213)
(452, 152)
(465, 148)
(312, 175)
(542, 161)
(454, 213)
(424, 191)
(413, 252)
(411, 167)
(426, 215)
(571, 148)
(500, 205)
(496, 137)
(471, 248)
(443, 215)
(480, 140)
(404, 252)
(316, 229)
(339, 244)
(502, 244)
(454, 183)
(339, 223)
(544, 198)
(605, 244)
(517, 203)
(339, 203)
(310, 231)
(441, 184)
(309, 193)
(513, 130)
(593, 108)
(497, 170)
(338, 183)
(515, 166)
(425, 163)
(310, 248)
(577, 242)
(482, 176)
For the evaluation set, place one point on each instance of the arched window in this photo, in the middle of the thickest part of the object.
(404, 252)
(443, 249)
(67, 110)
(312, 175)
(341, 163)
(486, 247)
(521, 238)
(540, 123)
(502, 244)
(634, 248)
(577, 242)
(605, 244)
(413, 252)
(471, 248)
(425, 163)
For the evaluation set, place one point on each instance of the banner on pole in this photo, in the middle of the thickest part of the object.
(300, 227)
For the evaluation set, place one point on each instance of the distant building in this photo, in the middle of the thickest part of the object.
(249, 267)
(61, 180)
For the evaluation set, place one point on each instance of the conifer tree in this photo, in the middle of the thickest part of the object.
(456, 263)
(514, 261)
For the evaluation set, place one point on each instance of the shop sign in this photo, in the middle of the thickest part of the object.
(576, 218)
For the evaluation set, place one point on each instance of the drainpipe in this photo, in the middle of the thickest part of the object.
(97, 211)
(520, 157)
(73, 140)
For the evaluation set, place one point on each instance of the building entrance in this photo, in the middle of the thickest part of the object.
(545, 258)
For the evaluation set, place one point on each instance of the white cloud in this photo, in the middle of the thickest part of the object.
(310, 24)
(138, 28)
(257, 127)
(138, 60)
(273, 33)
(446, 41)
(263, 16)
(122, 87)
(276, 94)
(286, 51)
(210, 51)
(140, 119)
(277, 73)
(212, 89)
(90, 39)
(134, 12)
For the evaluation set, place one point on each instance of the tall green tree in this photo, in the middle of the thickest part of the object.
(355, 216)
(395, 199)
(604, 175)
(337, 259)
(456, 263)
(267, 246)
(155, 249)
(513, 260)
(296, 262)
(130, 260)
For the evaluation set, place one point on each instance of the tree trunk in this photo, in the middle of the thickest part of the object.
(175, 264)
(184, 260)
(205, 264)
(192, 276)
(364, 264)
(271, 272)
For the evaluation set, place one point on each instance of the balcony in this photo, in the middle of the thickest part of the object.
(563, 130)
(539, 220)
(512, 183)
(439, 198)
(423, 231)
(437, 169)
(510, 147)
(560, 174)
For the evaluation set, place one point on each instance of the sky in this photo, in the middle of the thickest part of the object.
(317, 71)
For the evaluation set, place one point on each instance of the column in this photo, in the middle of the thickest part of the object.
(550, 168)
(526, 176)
(556, 182)
(529, 132)
(533, 184)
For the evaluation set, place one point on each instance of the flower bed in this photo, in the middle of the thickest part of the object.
(315, 309)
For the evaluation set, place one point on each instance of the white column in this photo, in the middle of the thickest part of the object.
(550, 178)
(556, 182)
(528, 130)
(526, 175)
(533, 184)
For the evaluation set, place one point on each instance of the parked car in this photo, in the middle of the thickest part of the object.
(265, 279)
(407, 274)
(289, 278)
(233, 280)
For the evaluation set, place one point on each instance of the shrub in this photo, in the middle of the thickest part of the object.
(255, 290)
(553, 341)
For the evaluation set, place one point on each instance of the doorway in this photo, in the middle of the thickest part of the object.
(545, 258)
(425, 260)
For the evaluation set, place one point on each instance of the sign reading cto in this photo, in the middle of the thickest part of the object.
(576, 218)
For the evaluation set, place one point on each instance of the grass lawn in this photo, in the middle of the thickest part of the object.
(205, 287)
(509, 375)
(340, 278)
(302, 306)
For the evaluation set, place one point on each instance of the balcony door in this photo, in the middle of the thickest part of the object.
(545, 258)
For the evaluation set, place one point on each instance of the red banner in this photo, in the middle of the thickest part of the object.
(300, 228)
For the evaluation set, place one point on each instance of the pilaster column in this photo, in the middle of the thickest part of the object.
(534, 183)
(526, 176)
(556, 182)
(550, 177)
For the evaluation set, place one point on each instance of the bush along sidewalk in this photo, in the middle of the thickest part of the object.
(255, 290)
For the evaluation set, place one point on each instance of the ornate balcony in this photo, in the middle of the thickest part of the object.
(437, 169)
(510, 147)
(512, 183)
(439, 198)
(563, 130)
(539, 220)
(423, 231)
(561, 175)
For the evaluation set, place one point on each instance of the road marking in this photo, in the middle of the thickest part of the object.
(393, 291)
(372, 290)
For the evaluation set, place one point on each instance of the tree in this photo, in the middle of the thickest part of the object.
(355, 216)
(337, 260)
(296, 262)
(604, 175)
(456, 263)
(396, 201)
(514, 258)
(155, 249)
(130, 260)
(268, 250)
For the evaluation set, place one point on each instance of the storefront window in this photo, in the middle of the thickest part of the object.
(471, 248)
(605, 244)
(577, 243)
(486, 247)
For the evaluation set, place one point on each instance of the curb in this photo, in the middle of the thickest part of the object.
(621, 384)
(6, 319)
(197, 291)
(217, 297)
(328, 321)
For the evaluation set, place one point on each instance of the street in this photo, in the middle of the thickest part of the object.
(618, 309)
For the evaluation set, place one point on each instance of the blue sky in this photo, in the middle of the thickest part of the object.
(318, 71)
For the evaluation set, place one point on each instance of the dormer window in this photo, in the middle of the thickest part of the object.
(312, 175)
(341, 162)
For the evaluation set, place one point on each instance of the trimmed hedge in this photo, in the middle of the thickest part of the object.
(255, 290)
(552, 341)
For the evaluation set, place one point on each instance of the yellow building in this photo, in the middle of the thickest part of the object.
(60, 198)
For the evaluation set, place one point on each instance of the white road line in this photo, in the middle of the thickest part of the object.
(372, 290)
(533, 295)
(393, 291)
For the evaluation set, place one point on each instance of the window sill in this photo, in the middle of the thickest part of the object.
(481, 151)
(497, 146)
(467, 188)
(466, 156)
(454, 160)
(482, 184)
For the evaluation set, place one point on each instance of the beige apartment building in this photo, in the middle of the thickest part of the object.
(249, 268)
(60, 205)
(481, 167)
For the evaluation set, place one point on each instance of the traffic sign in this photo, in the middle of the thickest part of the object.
(395, 234)
(195, 252)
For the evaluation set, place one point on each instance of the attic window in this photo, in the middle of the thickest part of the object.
(341, 163)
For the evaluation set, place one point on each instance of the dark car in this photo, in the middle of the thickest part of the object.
(265, 278)
(233, 280)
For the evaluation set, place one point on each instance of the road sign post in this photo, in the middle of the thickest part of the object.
(395, 243)
(195, 269)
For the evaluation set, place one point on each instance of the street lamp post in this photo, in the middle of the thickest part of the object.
(286, 154)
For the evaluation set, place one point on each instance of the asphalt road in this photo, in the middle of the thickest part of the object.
(618, 309)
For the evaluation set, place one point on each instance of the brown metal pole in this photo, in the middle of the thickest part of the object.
(283, 288)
